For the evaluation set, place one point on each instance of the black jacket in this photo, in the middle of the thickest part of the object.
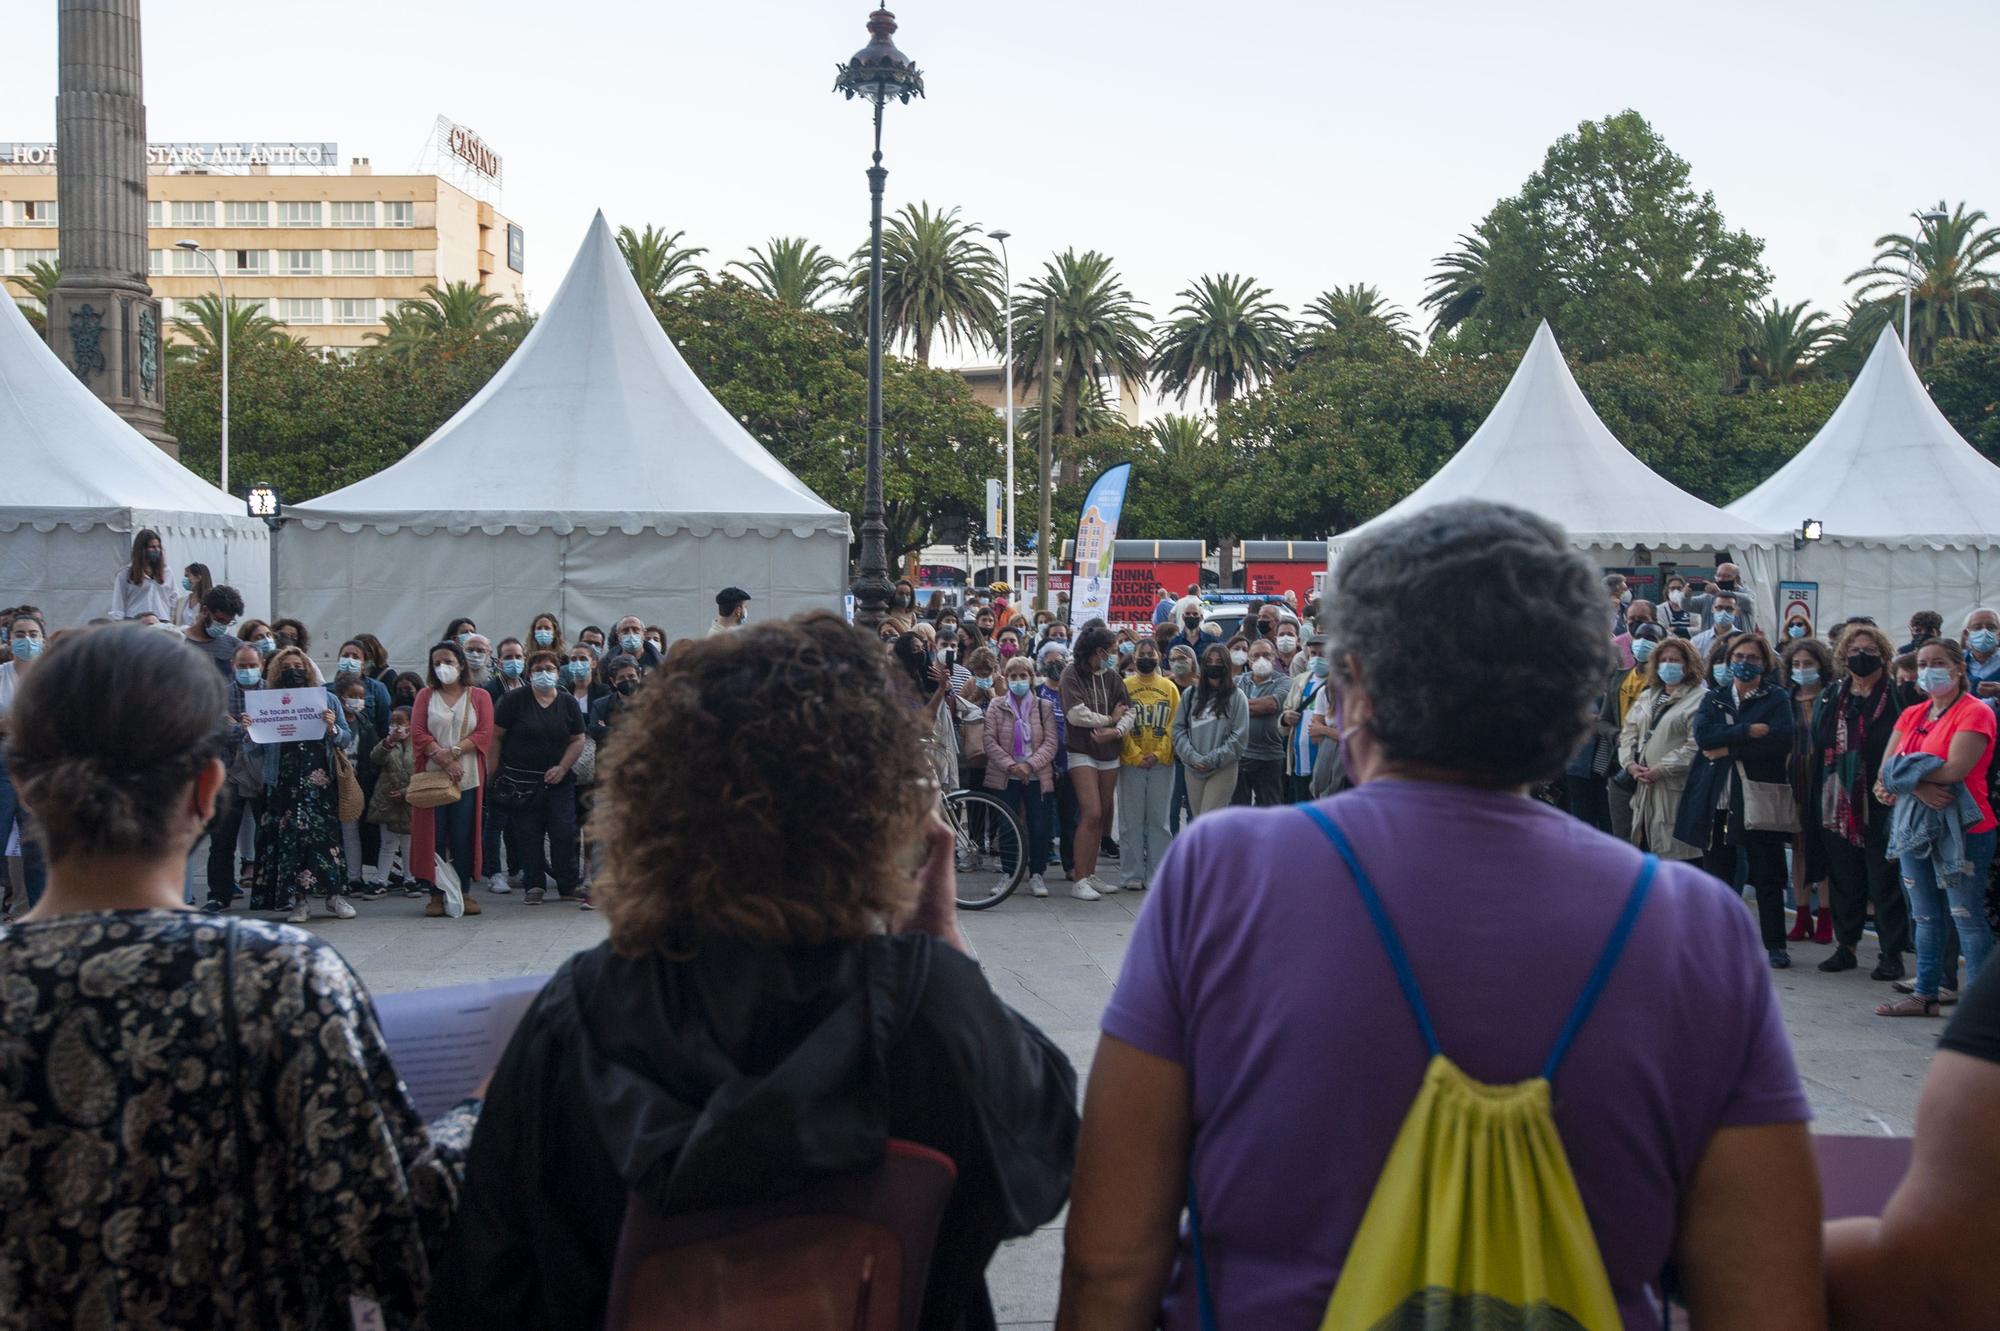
(731, 1076)
(602, 709)
(1723, 722)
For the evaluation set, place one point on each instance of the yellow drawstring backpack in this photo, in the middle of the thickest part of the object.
(1475, 1221)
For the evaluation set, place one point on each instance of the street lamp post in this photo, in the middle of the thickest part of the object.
(194, 247)
(1007, 295)
(876, 73)
(1933, 216)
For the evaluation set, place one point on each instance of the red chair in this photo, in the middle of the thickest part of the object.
(848, 1254)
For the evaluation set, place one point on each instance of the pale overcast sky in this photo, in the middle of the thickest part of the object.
(1310, 144)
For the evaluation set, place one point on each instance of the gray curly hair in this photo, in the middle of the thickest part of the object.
(1480, 636)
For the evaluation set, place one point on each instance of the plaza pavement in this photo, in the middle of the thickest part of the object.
(1055, 961)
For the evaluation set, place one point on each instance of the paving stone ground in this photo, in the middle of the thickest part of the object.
(1055, 961)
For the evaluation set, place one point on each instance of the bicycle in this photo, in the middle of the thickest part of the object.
(991, 854)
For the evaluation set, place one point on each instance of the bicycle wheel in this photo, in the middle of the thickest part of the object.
(992, 849)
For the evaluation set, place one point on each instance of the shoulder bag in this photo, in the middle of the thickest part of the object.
(432, 788)
(1768, 806)
(351, 803)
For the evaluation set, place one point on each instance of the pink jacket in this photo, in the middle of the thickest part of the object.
(1040, 745)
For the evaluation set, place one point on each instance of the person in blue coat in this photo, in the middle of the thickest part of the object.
(1743, 731)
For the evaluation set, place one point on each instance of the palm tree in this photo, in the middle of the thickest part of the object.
(1782, 345)
(659, 262)
(1957, 290)
(457, 311)
(39, 281)
(1099, 328)
(201, 327)
(1177, 436)
(935, 277)
(1226, 337)
(1359, 308)
(1457, 284)
(792, 271)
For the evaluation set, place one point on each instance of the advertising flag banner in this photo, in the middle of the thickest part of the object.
(1096, 546)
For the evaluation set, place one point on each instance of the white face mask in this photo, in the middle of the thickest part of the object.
(1287, 643)
(353, 705)
(1239, 659)
(447, 675)
(1261, 667)
(1674, 599)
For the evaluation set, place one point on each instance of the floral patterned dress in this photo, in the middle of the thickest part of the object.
(299, 851)
(155, 1173)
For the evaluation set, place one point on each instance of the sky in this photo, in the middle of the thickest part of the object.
(1310, 145)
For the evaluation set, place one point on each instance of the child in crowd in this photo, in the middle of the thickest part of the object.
(389, 810)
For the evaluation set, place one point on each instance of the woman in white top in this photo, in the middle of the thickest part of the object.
(140, 589)
(195, 583)
(25, 638)
(451, 729)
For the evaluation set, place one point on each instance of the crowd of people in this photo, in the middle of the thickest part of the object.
(1513, 1019)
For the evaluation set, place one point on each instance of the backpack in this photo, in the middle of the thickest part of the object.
(1475, 1220)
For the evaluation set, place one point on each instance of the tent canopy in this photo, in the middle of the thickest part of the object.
(1885, 469)
(1545, 450)
(595, 423)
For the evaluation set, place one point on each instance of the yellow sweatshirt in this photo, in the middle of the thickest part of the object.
(1154, 699)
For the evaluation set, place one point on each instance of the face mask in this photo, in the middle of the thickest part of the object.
(596, 649)
(1721, 672)
(1193, 624)
(660, 648)
(265, 646)
(215, 630)
(983, 682)
(1983, 640)
(1239, 659)
(1726, 584)
(1724, 620)
(578, 671)
(628, 687)
(1019, 687)
(1214, 673)
(1052, 669)
(545, 680)
(512, 667)
(1936, 680)
(447, 675)
(1148, 664)
(947, 626)
(1641, 649)
(1110, 666)
(1863, 665)
(477, 660)
(154, 556)
(1287, 643)
(405, 698)
(1671, 673)
(249, 679)
(1625, 597)
(1319, 667)
(187, 584)
(544, 637)
(1796, 631)
(292, 678)
(397, 734)
(1674, 599)
(347, 665)
(463, 638)
(1745, 670)
(632, 643)
(1183, 666)
(1261, 667)
(1805, 677)
(1009, 649)
(353, 705)
(1127, 648)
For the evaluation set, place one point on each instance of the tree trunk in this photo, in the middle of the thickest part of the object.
(1071, 409)
(1225, 557)
(923, 346)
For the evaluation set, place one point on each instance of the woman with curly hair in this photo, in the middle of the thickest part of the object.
(758, 1018)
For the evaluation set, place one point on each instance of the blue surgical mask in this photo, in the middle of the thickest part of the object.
(512, 667)
(1805, 677)
(463, 638)
(544, 679)
(1127, 648)
(1936, 680)
(1724, 620)
(1019, 687)
(1983, 640)
(1319, 667)
(1672, 673)
(27, 649)
(216, 630)
(632, 643)
(1721, 672)
(1745, 670)
(1641, 649)
(578, 671)
(187, 584)
(266, 646)
(984, 681)
(1796, 631)
(544, 637)
(248, 678)
(347, 665)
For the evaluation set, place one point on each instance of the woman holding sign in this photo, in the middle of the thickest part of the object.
(298, 831)
(451, 729)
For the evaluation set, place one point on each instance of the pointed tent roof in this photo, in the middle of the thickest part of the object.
(69, 459)
(1885, 469)
(1542, 448)
(595, 422)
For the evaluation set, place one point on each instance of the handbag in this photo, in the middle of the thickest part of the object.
(351, 803)
(432, 789)
(1768, 806)
(515, 788)
(585, 767)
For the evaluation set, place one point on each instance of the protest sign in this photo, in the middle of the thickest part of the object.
(278, 715)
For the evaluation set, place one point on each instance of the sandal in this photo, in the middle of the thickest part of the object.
(1913, 1006)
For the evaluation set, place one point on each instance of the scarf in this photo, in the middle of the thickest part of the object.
(1020, 706)
(1843, 742)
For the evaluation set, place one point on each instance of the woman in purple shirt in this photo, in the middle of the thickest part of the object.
(1258, 1045)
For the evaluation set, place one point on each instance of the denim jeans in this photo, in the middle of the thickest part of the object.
(1963, 899)
(1026, 799)
(33, 871)
(453, 831)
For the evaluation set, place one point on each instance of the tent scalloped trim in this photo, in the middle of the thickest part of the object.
(835, 524)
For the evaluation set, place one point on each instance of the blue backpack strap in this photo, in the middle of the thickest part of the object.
(1399, 960)
(1593, 988)
(1204, 1297)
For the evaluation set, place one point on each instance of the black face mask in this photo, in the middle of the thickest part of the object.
(628, 687)
(1192, 623)
(1053, 670)
(1215, 673)
(292, 678)
(1864, 665)
(1726, 584)
(1148, 664)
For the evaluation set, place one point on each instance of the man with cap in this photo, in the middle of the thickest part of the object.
(731, 610)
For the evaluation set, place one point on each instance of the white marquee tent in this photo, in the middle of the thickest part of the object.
(79, 482)
(1911, 511)
(594, 476)
(1545, 450)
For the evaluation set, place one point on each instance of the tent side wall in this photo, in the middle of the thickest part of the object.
(1891, 583)
(68, 572)
(403, 586)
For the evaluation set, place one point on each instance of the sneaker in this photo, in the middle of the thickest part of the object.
(214, 907)
(1036, 887)
(1888, 968)
(1780, 959)
(583, 901)
(301, 912)
(342, 908)
(1104, 889)
(1083, 891)
(1841, 960)
(534, 896)
(1131, 885)
(497, 885)
(416, 890)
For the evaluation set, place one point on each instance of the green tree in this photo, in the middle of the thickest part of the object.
(1224, 337)
(660, 264)
(447, 320)
(201, 327)
(1612, 245)
(936, 278)
(1457, 284)
(1964, 380)
(1099, 329)
(38, 281)
(1353, 320)
(792, 271)
(1957, 291)
(1783, 344)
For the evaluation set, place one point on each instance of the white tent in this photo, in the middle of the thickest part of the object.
(79, 482)
(593, 477)
(1545, 450)
(1911, 511)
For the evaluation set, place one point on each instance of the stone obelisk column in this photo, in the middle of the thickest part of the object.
(103, 320)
